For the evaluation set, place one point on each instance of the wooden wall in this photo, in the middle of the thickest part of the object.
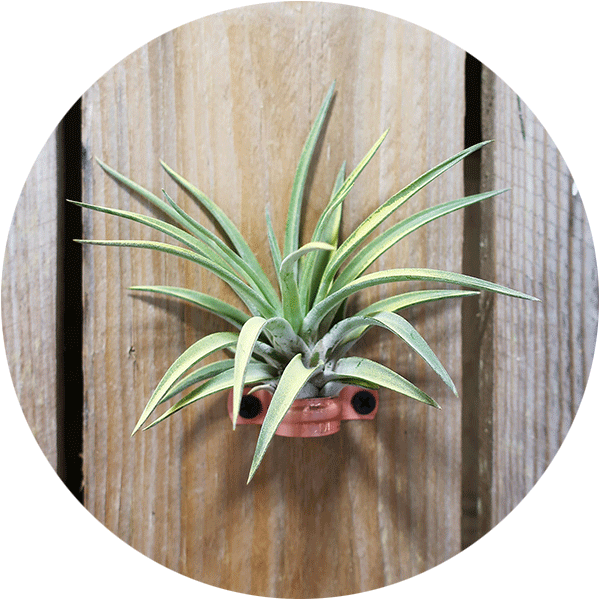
(228, 101)
(536, 240)
(29, 298)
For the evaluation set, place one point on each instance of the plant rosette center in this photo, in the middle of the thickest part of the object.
(309, 417)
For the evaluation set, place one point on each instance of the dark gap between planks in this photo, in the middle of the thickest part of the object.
(69, 305)
(470, 483)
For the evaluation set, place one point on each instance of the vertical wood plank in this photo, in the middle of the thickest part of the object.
(536, 239)
(228, 101)
(29, 299)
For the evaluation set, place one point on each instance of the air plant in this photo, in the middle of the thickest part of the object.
(295, 336)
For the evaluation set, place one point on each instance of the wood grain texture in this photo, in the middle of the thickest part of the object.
(537, 239)
(29, 295)
(227, 102)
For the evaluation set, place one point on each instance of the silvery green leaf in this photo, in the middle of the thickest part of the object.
(252, 299)
(284, 339)
(213, 305)
(270, 355)
(313, 265)
(194, 354)
(273, 245)
(376, 247)
(197, 376)
(250, 265)
(243, 351)
(220, 252)
(398, 326)
(138, 189)
(395, 303)
(336, 203)
(337, 200)
(331, 302)
(268, 385)
(221, 382)
(364, 370)
(236, 238)
(331, 341)
(292, 230)
(290, 296)
(292, 381)
(331, 231)
(400, 301)
(407, 299)
(175, 232)
(359, 235)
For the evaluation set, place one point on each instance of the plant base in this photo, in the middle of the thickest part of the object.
(310, 417)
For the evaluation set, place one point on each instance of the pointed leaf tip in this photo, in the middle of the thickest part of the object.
(293, 378)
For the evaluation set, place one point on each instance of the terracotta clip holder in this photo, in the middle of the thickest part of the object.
(310, 417)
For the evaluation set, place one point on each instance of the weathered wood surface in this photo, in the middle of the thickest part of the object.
(228, 101)
(536, 239)
(29, 295)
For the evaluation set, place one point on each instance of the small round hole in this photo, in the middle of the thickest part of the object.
(363, 402)
(250, 407)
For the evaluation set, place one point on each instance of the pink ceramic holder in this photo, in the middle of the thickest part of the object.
(310, 417)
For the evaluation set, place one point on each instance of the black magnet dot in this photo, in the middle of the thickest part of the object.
(363, 402)
(250, 407)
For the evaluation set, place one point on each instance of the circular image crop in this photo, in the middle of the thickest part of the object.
(292, 216)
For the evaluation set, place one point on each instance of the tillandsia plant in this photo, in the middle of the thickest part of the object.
(295, 339)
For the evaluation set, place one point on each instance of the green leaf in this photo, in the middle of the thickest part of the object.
(284, 339)
(220, 252)
(249, 266)
(292, 381)
(331, 302)
(205, 244)
(358, 236)
(175, 232)
(273, 245)
(254, 301)
(245, 345)
(213, 305)
(292, 230)
(195, 353)
(290, 296)
(395, 303)
(407, 299)
(269, 355)
(221, 382)
(201, 374)
(336, 205)
(398, 326)
(138, 189)
(313, 265)
(236, 238)
(361, 261)
(268, 385)
(374, 374)
(193, 226)
(337, 200)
